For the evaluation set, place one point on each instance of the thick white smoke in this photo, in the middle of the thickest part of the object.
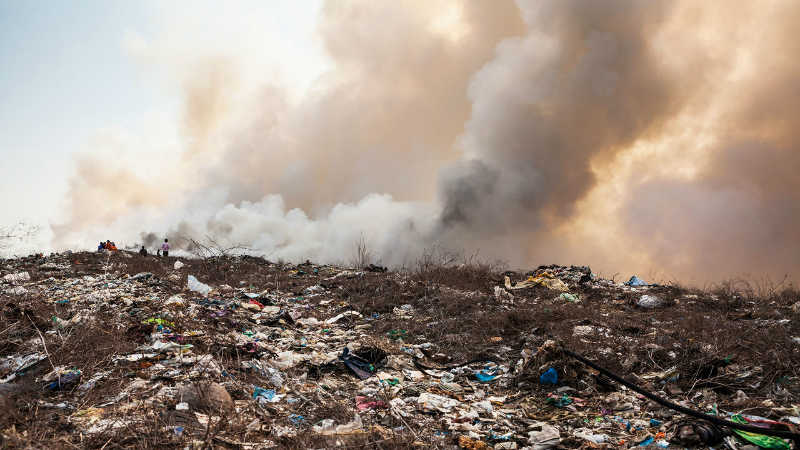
(563, 131)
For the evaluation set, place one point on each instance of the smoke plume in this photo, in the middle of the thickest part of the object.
(655, 137)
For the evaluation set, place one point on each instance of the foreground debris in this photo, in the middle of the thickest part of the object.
(123, 350)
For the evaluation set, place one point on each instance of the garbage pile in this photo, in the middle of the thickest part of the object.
(123, 350)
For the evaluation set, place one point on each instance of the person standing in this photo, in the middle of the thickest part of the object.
(165, 248)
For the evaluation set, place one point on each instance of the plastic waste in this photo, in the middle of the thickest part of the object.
(486, 375)
(142, 276)
(647, 441)
(403, 311)
(545, 279)
(567, 297)
(485, 406)
(288, 359)
(583, 433)
(466, 443)
(364, 403)
(197, 286)
(503, 295)
(65, 380)
(547, 437)
(550, 376)
(364, 362)
(178, 265)
(19, 290)
(266, 395)
(559, 401)
(649, 301)
(435, 402)
(397, 334)
(761, 440)
(328, 427)
(159, 321)
(636, 282)
(275, 377)
(17, 277)
(339, 317)
(505, 446)
(92, 382)
(175, 300)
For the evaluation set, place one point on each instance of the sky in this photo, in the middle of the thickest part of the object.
(104, 77)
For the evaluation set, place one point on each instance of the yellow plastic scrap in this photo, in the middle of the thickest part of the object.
(472, 444)
(545, 279)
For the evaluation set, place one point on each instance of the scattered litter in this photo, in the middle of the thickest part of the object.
(545, 279)
(290, 353)
(436, 402)
(329, 427)
(567, 297)
(266, 395)
(760, 440)
(17, 277)
(339, 317)
(547, 436)
(19, 290)
(66, 379)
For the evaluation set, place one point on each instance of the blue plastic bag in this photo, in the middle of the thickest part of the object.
(550, 376)
(636, 281)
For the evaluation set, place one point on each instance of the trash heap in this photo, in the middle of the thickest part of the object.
(121, 350)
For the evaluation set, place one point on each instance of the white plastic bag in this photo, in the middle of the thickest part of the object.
(197, 286)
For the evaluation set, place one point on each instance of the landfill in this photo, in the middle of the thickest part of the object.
(118, 350)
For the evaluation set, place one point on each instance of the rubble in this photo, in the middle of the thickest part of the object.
(115, 350)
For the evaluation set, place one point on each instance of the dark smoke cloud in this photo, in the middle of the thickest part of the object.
(149, 239)
(583, 83)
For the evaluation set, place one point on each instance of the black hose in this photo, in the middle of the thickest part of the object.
(682, 409)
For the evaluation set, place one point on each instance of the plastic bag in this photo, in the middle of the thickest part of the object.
(197, 286)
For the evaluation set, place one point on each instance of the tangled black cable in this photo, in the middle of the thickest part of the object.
(786, 434)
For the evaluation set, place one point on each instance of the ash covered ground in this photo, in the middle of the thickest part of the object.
(103, 350)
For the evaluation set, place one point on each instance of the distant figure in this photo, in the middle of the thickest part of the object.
(111, 246)
(158, 253)
(165, 248)
(101, 247)
(143, 251)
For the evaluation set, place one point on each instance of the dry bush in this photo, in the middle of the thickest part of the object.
(362, 255)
